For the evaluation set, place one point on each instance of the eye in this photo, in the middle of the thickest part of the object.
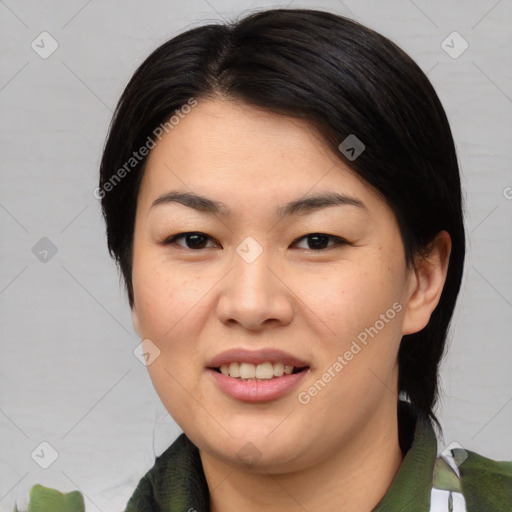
(196, 240)
(193, 240)
(319, 240)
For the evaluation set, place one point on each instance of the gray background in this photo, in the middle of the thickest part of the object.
(68, 373)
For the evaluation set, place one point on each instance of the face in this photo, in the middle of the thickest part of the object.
(320, 284)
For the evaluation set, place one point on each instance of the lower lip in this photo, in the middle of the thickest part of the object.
(257, 391)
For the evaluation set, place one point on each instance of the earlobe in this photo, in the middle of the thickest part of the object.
(426, 283)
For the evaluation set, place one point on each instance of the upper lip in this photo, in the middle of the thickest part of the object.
(241, 355)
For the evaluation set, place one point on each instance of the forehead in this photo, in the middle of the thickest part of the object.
(248, 154)
(235, 131)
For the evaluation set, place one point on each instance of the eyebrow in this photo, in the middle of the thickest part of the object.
(297, 207)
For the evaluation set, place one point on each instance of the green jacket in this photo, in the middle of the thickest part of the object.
(176, 483)
(456, 481)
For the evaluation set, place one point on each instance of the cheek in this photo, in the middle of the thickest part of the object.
(172, 307)
(153, 295)
(362, 305)
(353, 296)
(168, 309)
(158, 300)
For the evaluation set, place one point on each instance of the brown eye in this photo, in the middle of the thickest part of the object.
(193, 240)
(319, 241)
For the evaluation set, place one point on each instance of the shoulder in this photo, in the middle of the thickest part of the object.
(143, 498)
(485, 484)
(176, 477)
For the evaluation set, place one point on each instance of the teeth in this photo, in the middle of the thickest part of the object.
(278, 369)
(263, 371)
(247, 371)
(234, 370)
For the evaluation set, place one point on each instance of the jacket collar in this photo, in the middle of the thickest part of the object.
(412, 485)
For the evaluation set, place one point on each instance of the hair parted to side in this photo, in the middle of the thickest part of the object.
(342, 78)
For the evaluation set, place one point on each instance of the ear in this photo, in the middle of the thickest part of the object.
(426, 282)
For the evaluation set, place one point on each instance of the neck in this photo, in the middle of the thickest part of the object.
(354, 479)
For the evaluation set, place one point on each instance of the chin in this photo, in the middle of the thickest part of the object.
(257, 451)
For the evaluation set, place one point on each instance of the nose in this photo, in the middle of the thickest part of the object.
(254, 295)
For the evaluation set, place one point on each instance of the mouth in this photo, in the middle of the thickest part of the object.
(258, 372)
(260, 375)
(264, 382)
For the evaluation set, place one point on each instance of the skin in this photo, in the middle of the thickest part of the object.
(195, 303)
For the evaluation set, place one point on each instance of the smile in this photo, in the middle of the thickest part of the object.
(263, 371)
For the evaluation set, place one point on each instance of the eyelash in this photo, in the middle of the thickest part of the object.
(338, 240)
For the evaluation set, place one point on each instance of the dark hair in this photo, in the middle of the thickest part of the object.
(343, 79)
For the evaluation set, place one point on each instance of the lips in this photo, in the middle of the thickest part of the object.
(257, 389)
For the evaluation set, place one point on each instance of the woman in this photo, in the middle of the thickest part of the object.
(282, 196)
